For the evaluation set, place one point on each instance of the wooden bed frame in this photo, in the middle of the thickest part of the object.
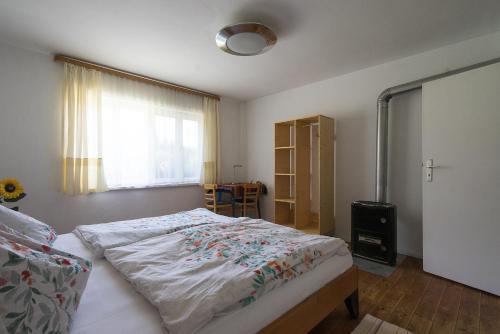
(304, 316)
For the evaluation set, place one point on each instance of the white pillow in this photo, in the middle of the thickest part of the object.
(27, 225)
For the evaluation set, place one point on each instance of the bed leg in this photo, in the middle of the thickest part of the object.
(352, 304)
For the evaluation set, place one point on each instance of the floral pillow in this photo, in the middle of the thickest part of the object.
(27, 225)
(40, 287)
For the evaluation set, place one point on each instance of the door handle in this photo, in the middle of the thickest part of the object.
(429, 165)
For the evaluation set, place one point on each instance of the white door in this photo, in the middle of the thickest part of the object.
(461, 205)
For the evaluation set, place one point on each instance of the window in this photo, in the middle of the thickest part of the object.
(121, 133)
(149, 143)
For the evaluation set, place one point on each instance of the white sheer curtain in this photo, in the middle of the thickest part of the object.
(82, 132)
(151, 135)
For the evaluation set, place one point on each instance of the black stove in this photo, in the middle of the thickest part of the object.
(373, 231)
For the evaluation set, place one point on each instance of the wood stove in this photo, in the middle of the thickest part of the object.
(373, 231)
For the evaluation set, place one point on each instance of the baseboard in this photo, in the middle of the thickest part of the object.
(411, 253)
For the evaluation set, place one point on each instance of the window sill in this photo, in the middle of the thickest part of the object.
(170, 185)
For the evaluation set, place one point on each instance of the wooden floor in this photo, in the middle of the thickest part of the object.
(419, 302)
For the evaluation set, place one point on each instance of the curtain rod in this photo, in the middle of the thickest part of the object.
(132, 76)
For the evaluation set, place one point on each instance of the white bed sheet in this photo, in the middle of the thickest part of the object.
(111, 305)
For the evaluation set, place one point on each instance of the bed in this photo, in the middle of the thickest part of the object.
(111, 305)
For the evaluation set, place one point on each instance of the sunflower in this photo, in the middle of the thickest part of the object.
(11, 190)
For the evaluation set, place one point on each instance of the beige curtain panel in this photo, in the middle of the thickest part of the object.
(82, 147)
(211, 141)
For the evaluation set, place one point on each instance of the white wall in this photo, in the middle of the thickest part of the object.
(405, 171)
(351, 100)
(233, 140)
(30, 139)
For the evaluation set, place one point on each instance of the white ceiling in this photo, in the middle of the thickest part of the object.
(174, 40)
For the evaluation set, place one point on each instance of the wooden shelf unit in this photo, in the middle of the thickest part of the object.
(304, 174)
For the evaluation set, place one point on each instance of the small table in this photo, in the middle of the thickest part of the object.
(236, 190)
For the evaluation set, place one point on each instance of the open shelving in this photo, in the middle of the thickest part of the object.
(304, 174)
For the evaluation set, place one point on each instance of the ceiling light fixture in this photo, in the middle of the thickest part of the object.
(246, 39)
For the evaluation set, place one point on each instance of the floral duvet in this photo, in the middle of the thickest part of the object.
(206, 270)
(98, 237)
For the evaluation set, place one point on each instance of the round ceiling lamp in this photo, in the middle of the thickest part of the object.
(245, 39)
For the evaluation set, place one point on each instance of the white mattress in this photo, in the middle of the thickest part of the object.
(111, 305)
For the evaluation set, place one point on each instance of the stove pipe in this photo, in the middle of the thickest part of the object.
(383, 123)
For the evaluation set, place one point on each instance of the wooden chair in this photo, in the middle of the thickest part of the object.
(213, 201)
(250, 200)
